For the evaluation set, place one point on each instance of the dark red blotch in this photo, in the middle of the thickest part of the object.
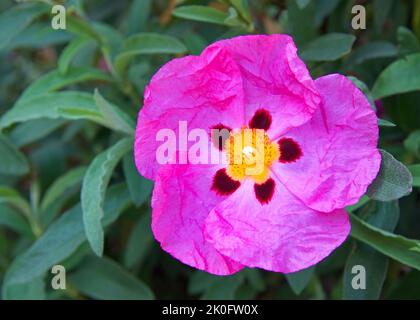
(264, 192)
(290, 150)
(223, 184)
(261, 120)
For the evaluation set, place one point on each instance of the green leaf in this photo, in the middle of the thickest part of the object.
(376, 266)
(393, 180)
(200, 13)
(194, 42)
(399, 77)
(61, 239)
(404, 110)
(329, 47)
(415, 171)
(32, 290)
(146, 43)
(12, 219)
(383, 215)
(404, 250)
(233, 19)
(33, 130)
(102, 278)
(412, 143)
(118, 119)
(300, 22)
(200, 281)
(372, 50)
(216, 287)
(385, 123)
(70, 51)
(138, 15)
(82, 28)
(68, 105)
(299, 280)
(12, 161)
(38, 35)
(255, 279)
(223, 289)
(407, 41)
(12, 197)
(57, 190)
(140, 188)
(14, 20)
(362, 201)
(111, 41)
(323, 8)
(139, 242)
(242, 6)
(54, 81)
(93, 191)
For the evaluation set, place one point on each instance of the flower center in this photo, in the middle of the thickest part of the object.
(250, 153)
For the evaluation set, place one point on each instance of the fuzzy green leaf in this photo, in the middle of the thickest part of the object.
(393, 180)
(329, 47)
(102, 278)
(12, 161)
(399, 77)
(146, 43)
(93, 191)
(200, 13)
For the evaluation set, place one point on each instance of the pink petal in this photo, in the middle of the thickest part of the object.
(205, 91)
(339, 149)
(274, 79)
(283, 235)
(181, 202)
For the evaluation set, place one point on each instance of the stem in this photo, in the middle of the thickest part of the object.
(34, 215)
(36, 228)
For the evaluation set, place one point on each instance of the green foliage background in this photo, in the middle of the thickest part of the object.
(69, 191)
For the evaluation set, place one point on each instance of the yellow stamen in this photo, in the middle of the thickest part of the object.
(250, 153)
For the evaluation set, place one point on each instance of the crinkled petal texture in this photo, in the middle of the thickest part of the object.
(181, 202)
(283, 235)
(226, 85)
(203, 91)
(274, 78)
(339, 148)
(326, 130)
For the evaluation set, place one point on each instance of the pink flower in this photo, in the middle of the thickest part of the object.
(319, 137)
